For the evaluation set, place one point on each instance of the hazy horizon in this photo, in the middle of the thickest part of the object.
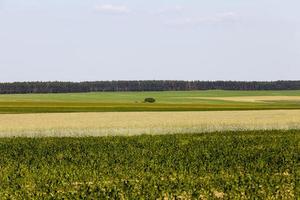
(94, 40)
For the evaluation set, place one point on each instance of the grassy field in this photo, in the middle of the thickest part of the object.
(228, 165)
(166, 101)
(137, 123)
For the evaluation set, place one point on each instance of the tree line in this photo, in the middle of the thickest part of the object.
(157, 85)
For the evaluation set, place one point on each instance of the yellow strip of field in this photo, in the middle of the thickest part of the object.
(134, 123)
(251, 98)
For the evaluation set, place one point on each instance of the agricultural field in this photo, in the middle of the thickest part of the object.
(219, 165)
(138, 123)
(165, 101)
(186, 145)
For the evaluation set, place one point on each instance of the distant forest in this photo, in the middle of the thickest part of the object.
(97, 86)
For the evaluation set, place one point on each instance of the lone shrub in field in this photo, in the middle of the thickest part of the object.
(149, 100)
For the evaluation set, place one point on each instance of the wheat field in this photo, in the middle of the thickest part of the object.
(135, 123)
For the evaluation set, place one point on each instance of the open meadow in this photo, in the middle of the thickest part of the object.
(186, 145)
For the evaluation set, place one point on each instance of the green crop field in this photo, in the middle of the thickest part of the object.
(165, 101)
(228, 165)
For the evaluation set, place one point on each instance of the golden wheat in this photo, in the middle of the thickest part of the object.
(133, 123)
(251, 98)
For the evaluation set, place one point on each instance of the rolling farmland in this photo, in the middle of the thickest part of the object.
(149, 100)
(186, 145)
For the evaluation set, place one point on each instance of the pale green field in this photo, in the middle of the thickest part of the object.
(165, 101)
(131, 97)
(136, 123)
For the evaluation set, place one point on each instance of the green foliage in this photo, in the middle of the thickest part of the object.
(240, 165)
(149, 100)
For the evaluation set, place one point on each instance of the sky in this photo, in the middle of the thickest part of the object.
(88, 40)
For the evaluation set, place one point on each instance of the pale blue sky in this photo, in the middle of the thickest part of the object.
(76, 40)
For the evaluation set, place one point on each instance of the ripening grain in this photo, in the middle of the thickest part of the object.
(252, 98)
(133, 123)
